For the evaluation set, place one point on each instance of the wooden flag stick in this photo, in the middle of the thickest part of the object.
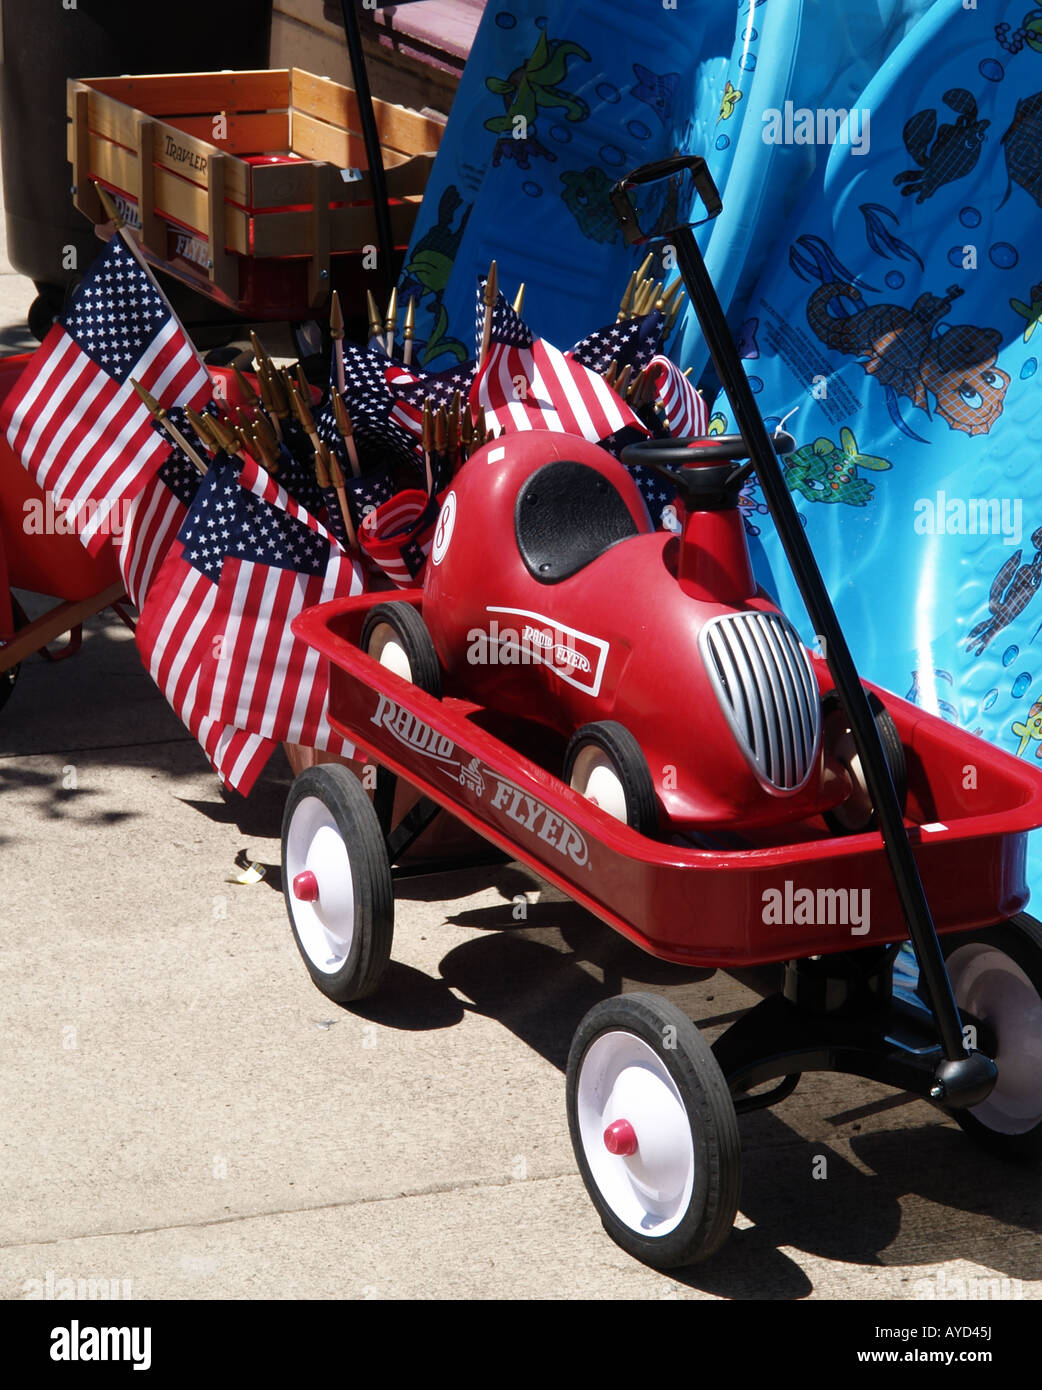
(627, 299)
(336, 477)
(226, 438)
(347, 433)
(391, 322)
(408, 332)
(336, 332)
(428, 445)
(158, 413)
(375, 325)
(304, 415)
(200, 423)
(453, 431)
(441, 443)
(491, 295)
(252, 399)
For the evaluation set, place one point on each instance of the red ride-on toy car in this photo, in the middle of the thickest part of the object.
(550, 597)
(626, 713)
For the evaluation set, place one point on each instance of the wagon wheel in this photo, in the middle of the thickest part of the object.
(9, 677)
(857, 814)
(396, 636)
(336, 878)
(654, 1130)
(604, 763)
(996, 976)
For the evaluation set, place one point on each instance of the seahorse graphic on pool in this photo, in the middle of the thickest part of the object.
(530, 89)
(904, 351)
(1012, 590)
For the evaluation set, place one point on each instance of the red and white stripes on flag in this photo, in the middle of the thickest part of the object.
(404, 414)
(539, 388)
(150, 525)
(88, 439)
(398, 536)
(266, 679)
(73, 416)
(685, 409)
(175, 638)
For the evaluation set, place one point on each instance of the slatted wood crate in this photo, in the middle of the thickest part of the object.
(252, 186)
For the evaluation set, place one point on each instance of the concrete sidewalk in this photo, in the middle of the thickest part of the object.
(185, 1116)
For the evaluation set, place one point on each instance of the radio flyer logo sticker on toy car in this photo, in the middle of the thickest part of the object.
(574, 656)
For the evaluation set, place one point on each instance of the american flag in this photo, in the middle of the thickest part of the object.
(685, 408)
(398, 536)
(155, 515)
(276, 560)
(527, 384)
(366, 493)
(632, 343)
(74, 418)
(410, 390)
(175, 637)
(380, 441)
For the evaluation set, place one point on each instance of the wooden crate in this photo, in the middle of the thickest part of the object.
(233, 180)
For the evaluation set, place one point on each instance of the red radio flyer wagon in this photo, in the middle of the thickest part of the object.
(651, 1108)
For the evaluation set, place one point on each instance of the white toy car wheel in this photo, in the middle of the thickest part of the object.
(604, 763)
(337, 882)
(654, 1130)
(395, 635)
(996, 975)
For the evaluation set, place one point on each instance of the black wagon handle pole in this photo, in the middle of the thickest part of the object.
(963, 1078)
(371, 138)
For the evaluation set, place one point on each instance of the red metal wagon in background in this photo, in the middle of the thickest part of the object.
(38, 554)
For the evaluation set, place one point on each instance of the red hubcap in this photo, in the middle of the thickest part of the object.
(621, 1138)
(305, 887)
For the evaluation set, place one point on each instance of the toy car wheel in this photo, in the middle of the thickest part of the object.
(996, 976)
(604, 763)
(654, 1130)
(9, 677)
(396, 636)
(857, 814)
(336, 878)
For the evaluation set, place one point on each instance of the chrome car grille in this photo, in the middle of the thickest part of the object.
(766, 688)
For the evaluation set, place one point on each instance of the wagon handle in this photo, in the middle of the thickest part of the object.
(965, 1077)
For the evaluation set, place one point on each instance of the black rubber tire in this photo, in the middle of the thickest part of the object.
(9, 678)
(371, 925)
(837, 820)
(411, 631)
(1020, 941)
(630, 765)
(44, 309)
(709, 1109)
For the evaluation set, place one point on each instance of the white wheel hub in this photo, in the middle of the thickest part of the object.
(322, 894)
(595, 777)
(385, 646)
(623, 1079)
(992, 987)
